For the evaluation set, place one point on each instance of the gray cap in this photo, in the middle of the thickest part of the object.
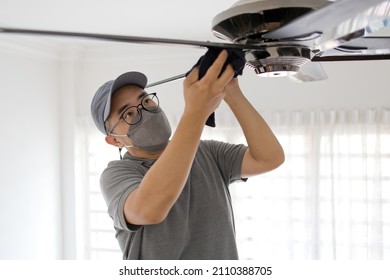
(101, 102)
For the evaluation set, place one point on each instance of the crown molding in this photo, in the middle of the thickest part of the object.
(41, 48)
(29, 47)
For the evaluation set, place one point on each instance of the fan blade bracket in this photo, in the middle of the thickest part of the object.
(364, 48)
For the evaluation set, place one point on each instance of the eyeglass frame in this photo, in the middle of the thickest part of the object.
(138, 110)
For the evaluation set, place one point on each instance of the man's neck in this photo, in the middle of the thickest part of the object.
(144, 154)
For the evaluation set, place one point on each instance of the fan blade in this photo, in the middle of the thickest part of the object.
(309, 72)
(181, 76)
(126, 39)
(355, 57)
(365, 48)
(338, 23)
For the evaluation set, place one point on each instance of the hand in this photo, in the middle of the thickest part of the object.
(203, 96)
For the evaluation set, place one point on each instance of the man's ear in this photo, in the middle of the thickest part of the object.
(112, 141)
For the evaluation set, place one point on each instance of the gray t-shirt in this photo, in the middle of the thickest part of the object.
(200, 225)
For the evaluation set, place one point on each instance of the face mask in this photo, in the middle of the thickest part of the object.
(152, 132)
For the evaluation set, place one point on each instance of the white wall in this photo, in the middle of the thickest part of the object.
(30, 201)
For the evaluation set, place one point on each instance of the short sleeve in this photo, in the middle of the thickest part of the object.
(117, 181)
(229, 158)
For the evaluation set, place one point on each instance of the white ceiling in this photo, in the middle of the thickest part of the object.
(151, 18)
(177, 19)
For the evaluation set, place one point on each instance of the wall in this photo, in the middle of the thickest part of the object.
(30, 200)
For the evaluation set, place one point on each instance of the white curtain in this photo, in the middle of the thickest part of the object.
(329, 200)
(331, 197)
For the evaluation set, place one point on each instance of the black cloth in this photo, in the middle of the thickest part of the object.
(236, 58)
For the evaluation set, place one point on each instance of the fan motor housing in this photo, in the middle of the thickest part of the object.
(277, 61)
(247, 20)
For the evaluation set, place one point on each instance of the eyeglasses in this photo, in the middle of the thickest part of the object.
(133, 115)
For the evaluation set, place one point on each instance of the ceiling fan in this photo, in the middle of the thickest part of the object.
(282, 37)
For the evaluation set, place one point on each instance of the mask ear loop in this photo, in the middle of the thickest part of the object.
(120, 153)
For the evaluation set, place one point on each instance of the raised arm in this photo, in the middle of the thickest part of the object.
(265, 152)
(160, 188)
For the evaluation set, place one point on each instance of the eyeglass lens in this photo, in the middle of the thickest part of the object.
(132, 115)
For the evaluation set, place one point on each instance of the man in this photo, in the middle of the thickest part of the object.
(169, 199)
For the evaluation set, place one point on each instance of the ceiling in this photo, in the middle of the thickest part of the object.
(176, 19)
(150, 18)
(180, 19)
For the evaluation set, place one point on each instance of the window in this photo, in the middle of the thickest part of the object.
(96, 233)
(329, 200)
